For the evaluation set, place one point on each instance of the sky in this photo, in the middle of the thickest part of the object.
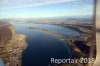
(45, 8)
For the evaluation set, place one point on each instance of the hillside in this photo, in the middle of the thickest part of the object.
(11, 45)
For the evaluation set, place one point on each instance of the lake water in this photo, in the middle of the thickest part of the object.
(43, 46)
(1, 62)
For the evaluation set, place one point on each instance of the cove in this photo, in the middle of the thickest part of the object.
(43, 46)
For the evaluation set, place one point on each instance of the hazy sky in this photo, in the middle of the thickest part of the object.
(45, 8)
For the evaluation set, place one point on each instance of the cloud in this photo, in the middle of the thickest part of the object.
(29, 3)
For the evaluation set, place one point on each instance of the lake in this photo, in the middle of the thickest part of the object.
(42, 46)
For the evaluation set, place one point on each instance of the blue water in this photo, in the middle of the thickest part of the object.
(53, 28)
(43, 46)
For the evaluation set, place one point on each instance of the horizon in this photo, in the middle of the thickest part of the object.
(60, 17)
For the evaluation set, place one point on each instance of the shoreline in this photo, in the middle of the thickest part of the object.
(21, 45)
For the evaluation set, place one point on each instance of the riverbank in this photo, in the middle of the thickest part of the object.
(11, 50)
